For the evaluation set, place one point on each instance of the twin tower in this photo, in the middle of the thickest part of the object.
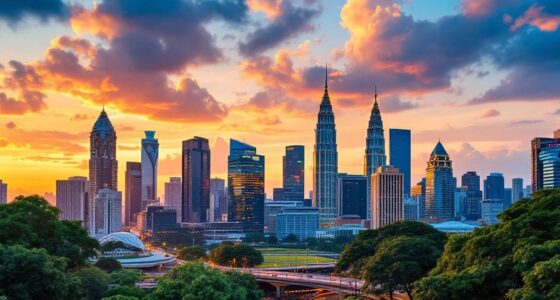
(325, 163)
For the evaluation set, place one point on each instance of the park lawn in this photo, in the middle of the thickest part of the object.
(266, 251)
(271, 261)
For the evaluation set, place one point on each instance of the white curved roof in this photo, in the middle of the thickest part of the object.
(124, 237)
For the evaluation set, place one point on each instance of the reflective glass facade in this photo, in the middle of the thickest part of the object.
(400, 154)
(294, 173)
(440, 186)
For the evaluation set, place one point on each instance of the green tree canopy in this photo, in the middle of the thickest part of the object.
(236, 255)
(126, 277)
(34, 274)
(192, 253)
(194, 281)
(94, 282)
(254, 237)
(124, 290)
(33, 223)
(358, 252)
(291, 238)
(512, 257)
(272, 239)
(108, 264)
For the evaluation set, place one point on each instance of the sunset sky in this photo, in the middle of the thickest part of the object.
(481, 75)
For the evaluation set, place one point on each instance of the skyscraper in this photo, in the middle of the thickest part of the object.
(103, 164)
(294, 173)
(218, 198)
(173, 196)
(107, 205)
(3, 192)
(440, 186)
(132, 192)
(352, 195)
(245, 184)
(375, 147)
(537, 145)
(196, 180)
(71, 198)
(150, 152)
(494, 188)
(387, 196)
(325, 162)
(517, 192)
(400, 154)
(549, 159)
(471, 181)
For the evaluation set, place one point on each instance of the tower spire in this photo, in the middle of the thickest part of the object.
(326, 77)
(375, 95)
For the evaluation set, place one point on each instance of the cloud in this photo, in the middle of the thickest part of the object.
(128, 148)
(490, 113)
(525, 122)
(557, 112)
(80, 117)
(14, 12)
(47, 141)
(534, 16)
(394, 104)
(24, 81)
(11, 125)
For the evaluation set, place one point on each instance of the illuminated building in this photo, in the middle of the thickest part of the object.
(196, 180)
(132, 192)
(440, 187)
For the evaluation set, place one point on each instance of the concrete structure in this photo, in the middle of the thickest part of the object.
(440, 186)
(3, 192)
(325, 162)
(387, 196)
(132, 192)
(218, 200)
(471, 181)
(352, 195)
(196, 180)
(400, 154)
(71, 198)
(293, 165)
(490, 210)
(537, 145)
(150, 153)
(106, 214)
(300, 221)
(272, 209)
(517, 192)
(173, 196)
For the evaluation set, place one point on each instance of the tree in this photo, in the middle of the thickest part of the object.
(126, 277)
(398, 263)
(291, 238)
(33, 223)
(194, 281)
(254, 237)
(108, 264)
(121, 297)
(123, 290)
(236, 255)
(94, 281)
(272, 239)
(192, 253)
(34, 274)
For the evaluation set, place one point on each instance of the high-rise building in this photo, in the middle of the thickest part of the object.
(71, 198)
(494, 187)
(460, 203)
(440, 186)
(418, 193)
(471, 181)
(294, 173)
(196, 180)
(387, 196)
(537, 145)
(517, 192)
(325, 162)
(400, 154)
(103, 164)
(132, 192)
(150, 153)
(173, 196)
(3, 192)
(549, 159)
(107, 210)
(245, 184)
(218, 199)
(411, 209)
(374, 156)
(352, 195)
(528, 191)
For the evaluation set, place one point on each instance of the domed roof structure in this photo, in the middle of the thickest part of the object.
(123, 237)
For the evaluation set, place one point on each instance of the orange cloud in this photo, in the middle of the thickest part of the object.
(534, 16)
(272, 8)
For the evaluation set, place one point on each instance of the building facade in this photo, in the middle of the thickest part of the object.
(3, 192)
(473, 208)
(272, 209)
(293, 165)
(352, 195)
(196, 180)
(71, 198)
(302, 222)
(173, 196)
(150, 153)
(549, 159)
(325, 162)
(537, 145)
(400, 154)
(440, 186)
(245, 184)
(411, 209)
(490, 210)
(387, 196)
(106, 215)
(494, 188)
(516, 189)
(132, 192)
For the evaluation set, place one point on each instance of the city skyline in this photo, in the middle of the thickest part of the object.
(256, 106)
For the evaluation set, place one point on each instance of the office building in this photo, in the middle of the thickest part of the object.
(218, 199)
(411, 209)
(471, 181)
(325, 162)
(494, 188)
(352, 195)
(245, 184)
(157, 218)
(387, 196)
(528, 191)
(440, 186)
(418, 193)
(173, 196)
(490, 210)
(103, 164)
(537, 145)
(196, 180)
(517, 192)
(400, 154)
(3, 192)
(150, 152)
(278, 194)
(71, 198)
(549, 159)
(132, 192)
(302, 222)
(272, 209)
(460, 198)
(106, 214)
(293, 164)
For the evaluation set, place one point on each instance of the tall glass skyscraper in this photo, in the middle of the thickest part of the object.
(325, 162)
(516, 189)
(294, 173)
(245, 184)
(103, 164)
(132, 192)
(471, 181)
(352, 195)
(494, 187)
(196, 180)
(440, 186)
(400, 154)
(150, 152)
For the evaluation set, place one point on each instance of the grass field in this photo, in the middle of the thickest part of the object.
(280, 257)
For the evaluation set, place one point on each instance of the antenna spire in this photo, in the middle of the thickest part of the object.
(375, 95)
(326, 77)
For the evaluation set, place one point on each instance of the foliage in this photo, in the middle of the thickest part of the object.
(192, 253)
(331, 245)
(291, 238)
(399, 262)
(272, 239)
(121, 297)
(254, 237)
(194, 281)
(236, 255)
(516, 258)
(94, 281)
(34, 274)
(126, 277)
(357, 254)
(129, 291)
(108, 264)
(33, 223)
